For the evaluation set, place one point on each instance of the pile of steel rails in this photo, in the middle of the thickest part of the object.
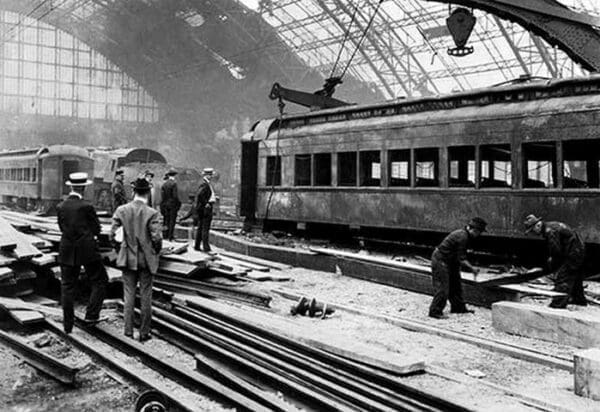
(253, 368)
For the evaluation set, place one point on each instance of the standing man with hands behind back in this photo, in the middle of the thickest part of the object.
(202, 209)
(170, 203)
(80, 227)
(446, 262)
(138, 254)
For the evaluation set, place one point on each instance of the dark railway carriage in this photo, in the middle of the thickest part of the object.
(35, 178)
(429, 164)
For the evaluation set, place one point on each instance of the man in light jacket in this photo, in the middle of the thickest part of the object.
(138, 254)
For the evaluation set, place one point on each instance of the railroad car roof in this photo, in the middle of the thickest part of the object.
(46, 151)
(535, 94)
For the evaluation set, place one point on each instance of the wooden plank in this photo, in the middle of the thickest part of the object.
(528, 290)
(580, 329)
(6, 273)
(515, 351)
(23, 248)
(6, 260)
(177, 268)
(45, 259)
(173, 247)
(193, 257)
(26, 316)
(260, 276)
(241, 265)
(418, 282)
(114, 274)
(256, 261)
(14, 304)
(36, 241)
(40, 360)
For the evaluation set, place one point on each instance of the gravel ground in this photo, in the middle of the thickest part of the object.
(370, 336)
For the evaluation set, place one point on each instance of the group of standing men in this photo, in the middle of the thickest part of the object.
(201, 210)
(138, 246)
(566, 251)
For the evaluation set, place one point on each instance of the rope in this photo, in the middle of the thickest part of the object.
(344, 41)
(361, 38)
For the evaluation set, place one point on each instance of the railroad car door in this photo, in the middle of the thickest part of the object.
(69, 166)
(249, 173)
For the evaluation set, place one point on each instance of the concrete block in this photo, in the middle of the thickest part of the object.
(587, 373)
(562, 326)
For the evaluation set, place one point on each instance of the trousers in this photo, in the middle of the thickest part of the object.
(130, 280)
(98, 279)
(170, 217)
(203, 230)
(569, 280)
(447, 285)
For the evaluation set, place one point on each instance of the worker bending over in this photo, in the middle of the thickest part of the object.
(567, 252)
(446, 262)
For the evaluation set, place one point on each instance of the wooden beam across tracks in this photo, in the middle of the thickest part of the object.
(307, 375)
(39, 360)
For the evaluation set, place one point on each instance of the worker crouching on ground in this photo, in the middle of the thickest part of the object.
(446, 262)
(567, 253)
(80, 227)
(138, 254)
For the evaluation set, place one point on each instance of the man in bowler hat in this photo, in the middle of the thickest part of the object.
(446, 262)
(80, 227)
(138, 254)
(202, 209)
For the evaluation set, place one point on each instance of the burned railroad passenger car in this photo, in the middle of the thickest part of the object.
(428, 164)
(35, 178)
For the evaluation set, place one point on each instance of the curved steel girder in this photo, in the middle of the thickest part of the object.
(572, 32)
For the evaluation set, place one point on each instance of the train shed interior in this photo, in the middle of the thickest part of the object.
(326, 205)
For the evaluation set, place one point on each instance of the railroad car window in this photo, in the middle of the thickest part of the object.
(27, 174)
(323, 169)
(302, 172)
(580, 164)
(399, 167)
(273, 171)
(496, 166)
(539, 162)
(347, 169)
(370, 168)
(461, 164)
(427, 167)
(1, 174)
(34, 174)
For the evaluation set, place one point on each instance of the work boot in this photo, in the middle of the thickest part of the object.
(438, 316)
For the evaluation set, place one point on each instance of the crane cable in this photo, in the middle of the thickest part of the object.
(337, 60)
(364, 34)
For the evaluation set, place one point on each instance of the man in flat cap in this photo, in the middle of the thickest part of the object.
(446, 262)
(80, 227)
(567, 253)
(170, 203)
(202, 209)
(138, 254)
(117, 190)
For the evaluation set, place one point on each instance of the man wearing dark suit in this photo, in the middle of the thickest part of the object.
(117, 190)
(79, 225)
(138, 254)
(170, 203)
(149, 176)
(202, 210)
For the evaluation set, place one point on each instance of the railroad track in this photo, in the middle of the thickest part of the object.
(233, 351)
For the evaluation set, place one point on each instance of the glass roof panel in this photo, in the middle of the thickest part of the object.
(404, 52)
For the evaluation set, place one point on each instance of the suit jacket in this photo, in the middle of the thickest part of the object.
(118, 194)
(79, 225)
(169, 196)
(142, 236)
(203, 207)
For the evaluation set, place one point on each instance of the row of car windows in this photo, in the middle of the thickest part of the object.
(580, 166)
(18, 174)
